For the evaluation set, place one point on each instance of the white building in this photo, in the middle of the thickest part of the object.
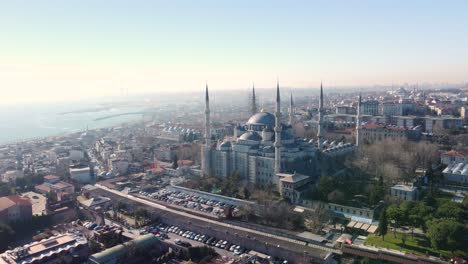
(293, 186)
(12, 175)
(456, 172)
(404, 192)
(81, 174)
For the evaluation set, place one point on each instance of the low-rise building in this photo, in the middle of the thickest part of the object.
(58, 187)
(51, 179)
(14, 207)
(372, 132)
(120, 253)
(293, 186)
(11, 176)
(96, 203)
(38, 201)
(81, 174)
(67, 247)
(454, 156)
(363, 214)
(403, 192)
(443, 122)
(456, 172)
(119, 166)
(370, 107)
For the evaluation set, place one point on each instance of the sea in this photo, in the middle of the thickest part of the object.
(38, 120)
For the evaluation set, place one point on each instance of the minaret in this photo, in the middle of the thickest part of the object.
(277, 131)
(320, 120)
(254, 101)
(206, 149)
(207, 118)
(291, 111)
(358, 123)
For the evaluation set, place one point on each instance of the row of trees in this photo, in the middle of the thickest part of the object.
(396, 160)
(442, 220)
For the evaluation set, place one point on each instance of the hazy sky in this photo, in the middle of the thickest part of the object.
(63, 49)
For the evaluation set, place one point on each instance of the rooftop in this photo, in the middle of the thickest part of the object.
(455, 153)
(8, 201)
(404, 187)
(292, 178)
(37, 251)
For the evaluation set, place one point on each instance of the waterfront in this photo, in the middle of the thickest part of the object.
(22, 122)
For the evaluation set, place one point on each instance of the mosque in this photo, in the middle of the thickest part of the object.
(264, 147)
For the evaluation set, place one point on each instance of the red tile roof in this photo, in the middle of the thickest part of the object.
(8, 201)
(51, 177)
(185, 162)
(454, 153)
(43, 187)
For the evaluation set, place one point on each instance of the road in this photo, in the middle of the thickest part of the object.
(238, 228)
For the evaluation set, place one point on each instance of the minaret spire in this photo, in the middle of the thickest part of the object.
(291, 110)
(320, 120)
(207, 117)
(358, 122)
(277, 131)
(206, 149)
(254, 101)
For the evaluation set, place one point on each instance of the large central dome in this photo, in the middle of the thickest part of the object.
(263, 118)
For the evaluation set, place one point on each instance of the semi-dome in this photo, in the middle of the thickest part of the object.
(250, 135)
(225, 144)
(263, 118)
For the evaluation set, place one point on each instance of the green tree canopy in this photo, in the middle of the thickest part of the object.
(6, 236)
(383, 224)
(450, 210)
(445, 234)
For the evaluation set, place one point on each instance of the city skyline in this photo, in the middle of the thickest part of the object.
(73, 50)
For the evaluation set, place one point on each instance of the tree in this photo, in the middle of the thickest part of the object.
(141, 214)
(175, 161)
(51, 197)
(445, 234)
(246, 193)
(450, 210)
(314, 221)
(5, 190)
(395, 215)
(6, 236)
(383, 224)
(326, 185)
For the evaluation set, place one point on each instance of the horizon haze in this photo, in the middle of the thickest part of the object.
(53, 51)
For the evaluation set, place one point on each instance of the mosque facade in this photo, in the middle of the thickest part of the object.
(262, 147)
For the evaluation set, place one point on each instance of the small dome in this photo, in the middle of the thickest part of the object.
(225, 144)
(263, 118)
(251, 136)
(269, 149)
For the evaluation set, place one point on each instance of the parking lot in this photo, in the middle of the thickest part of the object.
(194, 202)
(185, 238)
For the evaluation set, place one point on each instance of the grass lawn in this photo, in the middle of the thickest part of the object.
(417, 244)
